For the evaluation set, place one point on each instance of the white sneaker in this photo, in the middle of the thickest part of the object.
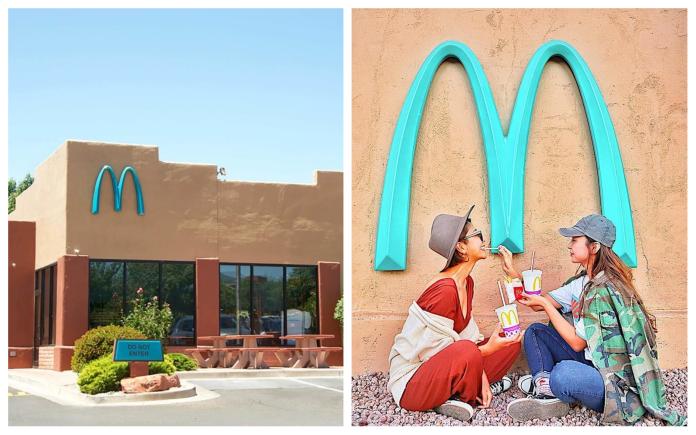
(456, 409)
(501, 386)
(526, 384)
(530, 408)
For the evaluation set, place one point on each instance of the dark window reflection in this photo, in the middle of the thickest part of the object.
(105, 293)
(302, 300)
(267, 303)
(179, 292)
(110, 281)
(141, 275)
(235, 288)
(279, 300)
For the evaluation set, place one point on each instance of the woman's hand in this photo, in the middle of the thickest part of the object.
(533, 301)
(506, 262)
(486, 393)
(496, 342)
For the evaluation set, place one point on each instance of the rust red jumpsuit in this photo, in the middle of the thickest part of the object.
(456, 369)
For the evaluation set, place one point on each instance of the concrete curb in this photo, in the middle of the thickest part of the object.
(272, 372)
(186, 390)
(69, 394)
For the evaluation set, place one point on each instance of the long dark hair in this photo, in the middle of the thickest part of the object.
(621, 275)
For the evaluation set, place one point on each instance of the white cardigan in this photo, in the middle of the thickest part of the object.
(424, 334)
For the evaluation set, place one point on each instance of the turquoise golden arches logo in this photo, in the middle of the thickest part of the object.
(505, 154)
(118, 188)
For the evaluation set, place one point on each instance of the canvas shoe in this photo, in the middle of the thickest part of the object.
(456, 409)
(501, 386)
(530, 408)
(526, 385)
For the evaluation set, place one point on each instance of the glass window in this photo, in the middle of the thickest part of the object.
(281, 299)
(267, 302)
(235, 289)
(301, 290)
(143, 275)
(105, 292)
(179, 292)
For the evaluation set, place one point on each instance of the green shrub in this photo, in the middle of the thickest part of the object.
(98, 342)
(338, 311)
(182, 362)
(165, 367)
(102, 375)
(148, 318)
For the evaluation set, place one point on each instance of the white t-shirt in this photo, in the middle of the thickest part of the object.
(568, 297)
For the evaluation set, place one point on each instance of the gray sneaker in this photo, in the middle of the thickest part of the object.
(530, 408)
(456, 409)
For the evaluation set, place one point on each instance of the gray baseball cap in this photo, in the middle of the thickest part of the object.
(594, 226)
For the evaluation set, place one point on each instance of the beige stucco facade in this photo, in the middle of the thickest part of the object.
(638, 58)
(189, 212)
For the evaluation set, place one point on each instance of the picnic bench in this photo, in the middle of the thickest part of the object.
(307, 351)
(249, 355)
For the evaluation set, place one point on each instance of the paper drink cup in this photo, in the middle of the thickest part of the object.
(532, 281)
(507, 315)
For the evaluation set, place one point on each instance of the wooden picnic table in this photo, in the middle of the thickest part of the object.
(223, 356)
(308, 352)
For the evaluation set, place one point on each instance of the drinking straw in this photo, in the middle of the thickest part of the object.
(533, 252)
(500, 289)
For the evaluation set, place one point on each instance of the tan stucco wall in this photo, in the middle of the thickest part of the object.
(189, 213)
(638, 58)
(44, 202)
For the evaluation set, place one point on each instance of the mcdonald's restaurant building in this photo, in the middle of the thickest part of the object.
(230, 257)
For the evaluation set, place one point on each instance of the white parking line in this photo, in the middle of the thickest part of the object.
(314, 385)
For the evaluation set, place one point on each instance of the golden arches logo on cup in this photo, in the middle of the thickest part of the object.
(532, 281)
(507, 315)
(536, 285)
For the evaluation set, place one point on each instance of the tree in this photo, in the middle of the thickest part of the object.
(15, 190)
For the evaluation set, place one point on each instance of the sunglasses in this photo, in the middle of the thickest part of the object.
(474, 234)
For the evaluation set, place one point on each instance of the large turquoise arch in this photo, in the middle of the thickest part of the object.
(505, 155)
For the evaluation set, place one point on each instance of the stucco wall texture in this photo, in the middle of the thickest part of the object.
(189, 213)
(638, 58)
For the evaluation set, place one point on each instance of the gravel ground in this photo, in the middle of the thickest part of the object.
(373, 405)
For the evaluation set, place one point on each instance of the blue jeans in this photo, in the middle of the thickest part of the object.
(572, 377)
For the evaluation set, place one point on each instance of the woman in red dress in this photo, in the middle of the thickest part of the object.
(440, 360)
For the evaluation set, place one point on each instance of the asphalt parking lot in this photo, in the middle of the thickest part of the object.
(250, 402)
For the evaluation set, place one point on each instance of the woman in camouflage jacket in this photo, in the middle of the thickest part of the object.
(606, 359)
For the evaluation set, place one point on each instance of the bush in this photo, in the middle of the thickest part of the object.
(98, 342)
(338, 311)
(182, 362)
(102, 375)
(165, 367)
(149, 318)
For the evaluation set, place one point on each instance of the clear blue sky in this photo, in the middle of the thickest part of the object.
(258, 92)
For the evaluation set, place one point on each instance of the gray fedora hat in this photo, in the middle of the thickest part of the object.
(445, 233)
